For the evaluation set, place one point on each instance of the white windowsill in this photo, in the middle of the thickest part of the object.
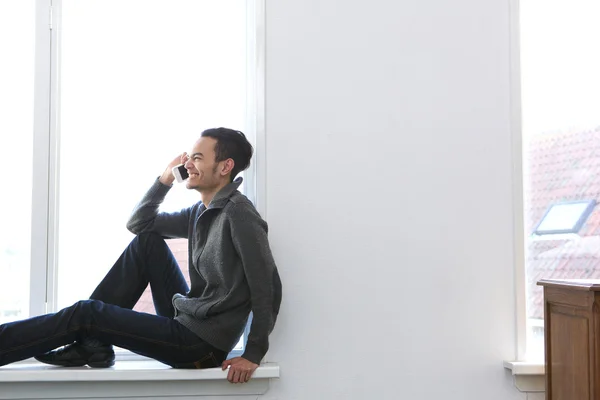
(148, 379)
(528, 376)
(122, 371)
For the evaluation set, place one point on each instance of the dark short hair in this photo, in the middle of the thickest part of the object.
(231, 144)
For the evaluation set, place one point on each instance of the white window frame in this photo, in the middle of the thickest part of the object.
(523, 353)
(46, 142)
(40, 212)
(518, 180)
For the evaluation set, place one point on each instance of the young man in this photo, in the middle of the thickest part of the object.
(232, 272)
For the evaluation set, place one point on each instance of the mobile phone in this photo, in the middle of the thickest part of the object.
(180, 173)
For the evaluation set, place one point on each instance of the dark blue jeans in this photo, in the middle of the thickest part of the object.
(108, 317)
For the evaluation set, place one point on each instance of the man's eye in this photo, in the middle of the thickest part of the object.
(196, 158)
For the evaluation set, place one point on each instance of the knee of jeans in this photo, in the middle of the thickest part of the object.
(82, 312)
(87, 306)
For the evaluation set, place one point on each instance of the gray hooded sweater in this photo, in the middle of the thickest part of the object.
(232, 271)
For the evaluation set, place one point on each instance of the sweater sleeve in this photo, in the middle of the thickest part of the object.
(146, 218)
(249, 236)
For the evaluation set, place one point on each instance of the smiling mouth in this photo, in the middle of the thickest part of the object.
(193, 175)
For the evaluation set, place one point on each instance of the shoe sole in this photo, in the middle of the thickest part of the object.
(101, 361)
(101, 364)
(96, 364)
(65, 364)
(93, 362)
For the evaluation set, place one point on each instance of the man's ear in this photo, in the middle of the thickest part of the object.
(227, 166)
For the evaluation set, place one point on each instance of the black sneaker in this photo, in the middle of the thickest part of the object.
(77, 355)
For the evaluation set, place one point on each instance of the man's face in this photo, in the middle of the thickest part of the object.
(204, 171)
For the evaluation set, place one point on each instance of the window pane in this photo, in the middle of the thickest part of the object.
(16, 151)
(561, 132)
(137, 88)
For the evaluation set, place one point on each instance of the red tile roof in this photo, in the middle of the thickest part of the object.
(562, 167)
(180, 251)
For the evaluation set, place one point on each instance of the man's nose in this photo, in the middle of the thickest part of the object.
(188, 164)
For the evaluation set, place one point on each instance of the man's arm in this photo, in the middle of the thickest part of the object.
(249, 234)
(146, 218)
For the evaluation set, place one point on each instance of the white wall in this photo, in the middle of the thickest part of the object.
(389, 198)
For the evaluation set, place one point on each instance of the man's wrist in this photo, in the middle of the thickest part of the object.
(253, 355)
(167, 179)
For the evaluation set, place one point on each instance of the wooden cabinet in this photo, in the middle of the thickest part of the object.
(572, 339)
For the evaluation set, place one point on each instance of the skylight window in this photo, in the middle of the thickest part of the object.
(566, 217)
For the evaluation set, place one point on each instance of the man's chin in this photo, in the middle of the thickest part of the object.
(189, 185)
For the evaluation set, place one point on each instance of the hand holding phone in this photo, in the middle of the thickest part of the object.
(169, 176)
(180, 173)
